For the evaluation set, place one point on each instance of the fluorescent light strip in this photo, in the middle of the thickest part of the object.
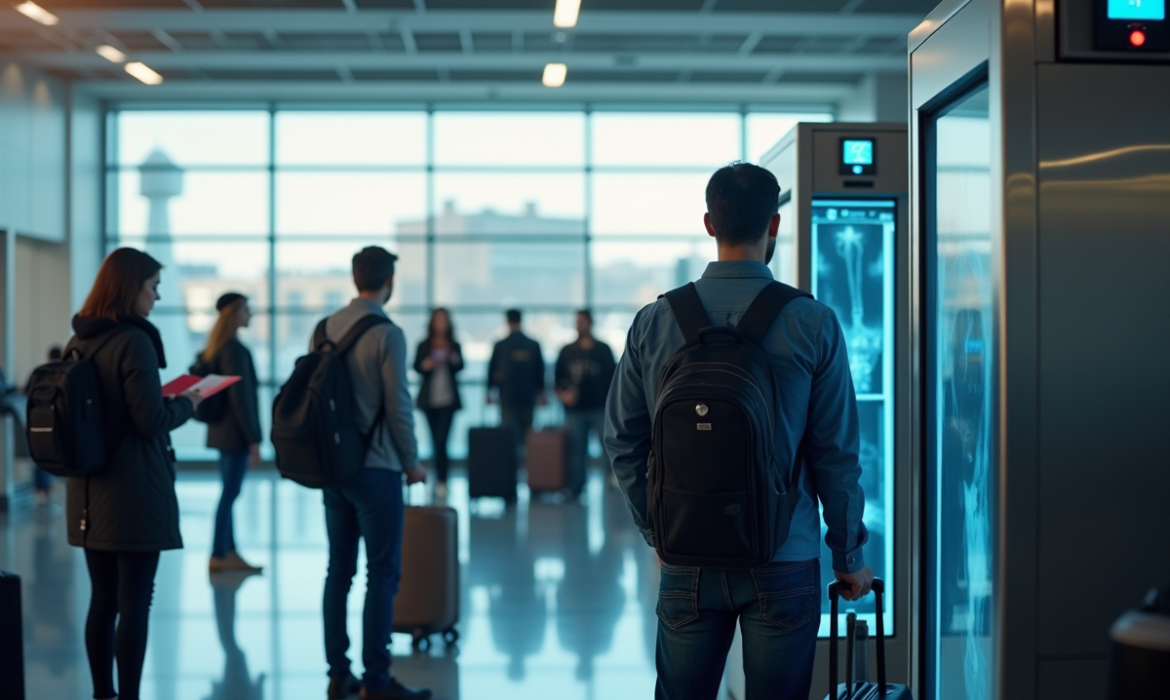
(566, 13)
(554, 75)
(143, 73)
(37, 13)
(111, 54)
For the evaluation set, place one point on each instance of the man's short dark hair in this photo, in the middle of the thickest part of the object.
(513, 316)
(587, 314)
(741, 199)
(372, 266)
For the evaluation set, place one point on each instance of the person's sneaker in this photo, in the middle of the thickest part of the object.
(342, 688)
(232, 562)
(396, 691)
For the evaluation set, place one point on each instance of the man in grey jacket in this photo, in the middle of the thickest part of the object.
(776, 605)
(372, 507)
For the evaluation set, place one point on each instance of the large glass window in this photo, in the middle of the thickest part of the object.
(546, 211)
(961, 427)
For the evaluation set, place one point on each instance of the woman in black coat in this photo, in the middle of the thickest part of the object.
(126, 514)
(233, 421)
(439, 360)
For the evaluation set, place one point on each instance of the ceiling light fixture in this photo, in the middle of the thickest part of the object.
(111, 54)
(566, 13)
(554, 75)
(143, 73)
(37, 13)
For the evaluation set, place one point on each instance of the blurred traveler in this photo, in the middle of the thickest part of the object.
(516, 376)
(233, 421)
(372, 506)
(439, 360)
(777, 604)
(583, 374)
(126, 514)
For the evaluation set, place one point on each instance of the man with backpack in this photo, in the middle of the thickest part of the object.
(516, 377)
(731, 413)
(369, 505)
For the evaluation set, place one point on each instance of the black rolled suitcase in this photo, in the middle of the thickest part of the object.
(11, 643)
(492, 462)
(860, 690)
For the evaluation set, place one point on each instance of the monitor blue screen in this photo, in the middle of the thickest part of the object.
(1137, 9)
(857, 151)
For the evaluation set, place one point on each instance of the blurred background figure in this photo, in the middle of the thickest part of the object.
(583, 374)
(516, 376)
(439, 361)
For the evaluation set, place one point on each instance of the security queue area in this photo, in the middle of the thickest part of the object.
(583, 348)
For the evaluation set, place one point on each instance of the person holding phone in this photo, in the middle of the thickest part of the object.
(233, 422)
(125, 515)
(439, 360)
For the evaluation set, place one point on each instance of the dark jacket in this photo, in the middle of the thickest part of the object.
(517, 370)
(238, 427)
(590, 372)
(130, 506)
(455, 365)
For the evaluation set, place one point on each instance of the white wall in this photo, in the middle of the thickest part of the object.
(32, 152)
(85, 195)
(880, 97)
(42, 303)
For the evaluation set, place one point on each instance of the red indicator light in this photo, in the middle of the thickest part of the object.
(1136, 38)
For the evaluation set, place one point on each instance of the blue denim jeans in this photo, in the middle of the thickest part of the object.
(370, 508)
(580, 423)
(778, 609)
(232, 467)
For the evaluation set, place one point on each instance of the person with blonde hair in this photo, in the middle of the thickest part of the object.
(127, 513)
(233, 421)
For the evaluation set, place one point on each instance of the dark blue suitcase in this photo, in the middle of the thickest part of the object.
(860, 690)
(11, 643)
(492, 462)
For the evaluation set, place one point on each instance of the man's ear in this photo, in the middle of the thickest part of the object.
(707, 223)
(774, 226)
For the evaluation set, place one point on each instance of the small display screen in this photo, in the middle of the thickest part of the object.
(857, 151)
(1137, 9)
(858, 157)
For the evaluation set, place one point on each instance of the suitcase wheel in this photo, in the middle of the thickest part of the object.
(420, 641)
(450, 637)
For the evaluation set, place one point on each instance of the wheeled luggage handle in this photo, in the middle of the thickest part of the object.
(879, 588)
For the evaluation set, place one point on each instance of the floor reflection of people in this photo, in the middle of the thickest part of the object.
(516, 610)
(237, 683)
(590, 598)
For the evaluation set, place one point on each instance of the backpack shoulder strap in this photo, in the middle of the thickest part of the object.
(101, 343)
(359, 329)
(688, 311)
(765, 308)
(319, 336)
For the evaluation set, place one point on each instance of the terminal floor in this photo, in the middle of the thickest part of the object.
(558, 602)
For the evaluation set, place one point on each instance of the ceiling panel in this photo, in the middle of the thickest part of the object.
(779, 5)
(491, 41)
(325, 42)
(272, 4)
(491, 5)
(824, 44)
(438, 41)
(635, 43)
(621, 76)
(273, 75)
(778, 44)
(643, 5)
(821, 78)
(409, 76)
(139, 41)
(496, 76)
(728, 76)
(911, 7)
(110, 4)
(385, 4)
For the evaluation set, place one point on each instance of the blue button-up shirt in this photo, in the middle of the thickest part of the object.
(809, 360)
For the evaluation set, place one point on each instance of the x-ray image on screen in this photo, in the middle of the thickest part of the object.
(852, 274)
(1137, 9)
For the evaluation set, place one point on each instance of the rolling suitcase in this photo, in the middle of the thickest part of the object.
(548, 460)
(11, 643)
(860, 690)
(428, 594)
(491, 463)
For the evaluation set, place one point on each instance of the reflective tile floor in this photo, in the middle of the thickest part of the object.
(558, 602)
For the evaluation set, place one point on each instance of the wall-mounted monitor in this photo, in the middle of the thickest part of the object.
(858, 157)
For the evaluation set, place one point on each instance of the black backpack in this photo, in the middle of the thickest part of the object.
(213, 408)
(65, 427)
(716, 495)
(314, 418)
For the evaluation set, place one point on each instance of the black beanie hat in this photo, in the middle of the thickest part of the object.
(227, 300)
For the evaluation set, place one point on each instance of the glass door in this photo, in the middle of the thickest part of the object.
(961, 396)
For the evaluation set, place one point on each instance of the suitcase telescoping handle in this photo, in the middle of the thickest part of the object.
(835, 589)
